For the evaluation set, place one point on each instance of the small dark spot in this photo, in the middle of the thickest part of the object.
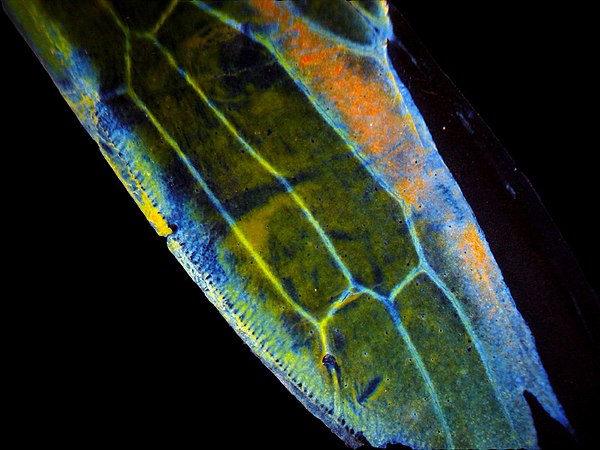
(269, 132)
(468, 349)
(173, 227)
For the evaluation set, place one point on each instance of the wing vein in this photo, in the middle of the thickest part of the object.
(262, 161)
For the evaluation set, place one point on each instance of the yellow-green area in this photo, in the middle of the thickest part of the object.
(451, 357)
(380, 384)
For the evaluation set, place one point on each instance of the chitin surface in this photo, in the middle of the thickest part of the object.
(276, 149)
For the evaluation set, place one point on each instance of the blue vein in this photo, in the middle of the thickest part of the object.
(437, 407)
(219, 15)
(380, 23)
(369, 17)
(466, 322)
(407, 279)
(477, 342)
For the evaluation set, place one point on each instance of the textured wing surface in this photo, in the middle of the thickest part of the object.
(274, 146)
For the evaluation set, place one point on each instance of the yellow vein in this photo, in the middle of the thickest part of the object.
(221, 209)
(348, 296)
(164, 16)
(263, 162)
(109, 7)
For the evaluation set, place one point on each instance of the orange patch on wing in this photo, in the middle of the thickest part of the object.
(476, 256)
(367, 108)
(474, 246)
(411, 190)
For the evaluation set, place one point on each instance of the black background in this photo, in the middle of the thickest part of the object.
(111, 342)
